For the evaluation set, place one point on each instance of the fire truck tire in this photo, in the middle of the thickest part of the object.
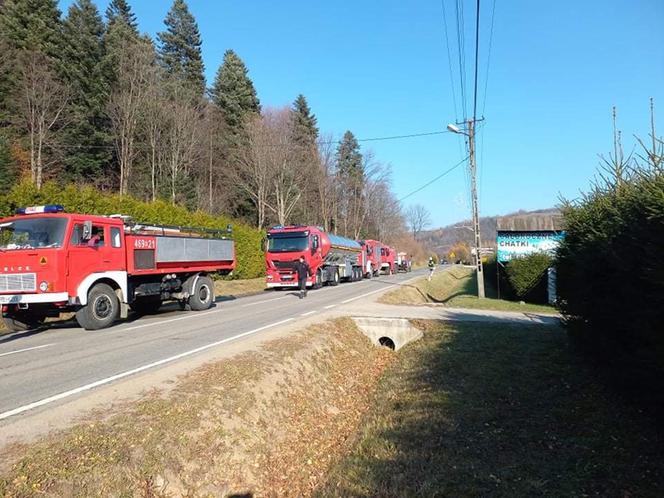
(102, 310)
(318, 283)
(22, 323)
(202, 296)
(335, 278)
(146, 305)
(369, 273)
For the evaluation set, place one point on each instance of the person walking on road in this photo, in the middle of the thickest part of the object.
(432, 267)
(303, 271)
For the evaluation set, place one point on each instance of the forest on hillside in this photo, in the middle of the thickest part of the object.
(87, 99)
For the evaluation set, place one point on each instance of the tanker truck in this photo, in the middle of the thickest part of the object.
(331, 258)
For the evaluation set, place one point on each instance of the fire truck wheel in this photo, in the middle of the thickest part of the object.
(202, 296)
(21, 323)
(335, 278)
(319, 280)
(370, 273)
(146, 305)
(102, 310)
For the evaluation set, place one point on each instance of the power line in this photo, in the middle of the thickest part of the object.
(477, 58)
(449, 61)
(488, 59)
(460, 25)
(435, 179)
(323, 142)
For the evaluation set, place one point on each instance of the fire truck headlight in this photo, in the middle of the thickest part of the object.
(43, 286)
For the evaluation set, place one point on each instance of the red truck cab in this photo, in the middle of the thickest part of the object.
(331, 258)
(98, 266)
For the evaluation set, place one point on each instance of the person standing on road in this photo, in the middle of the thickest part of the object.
(432, 267)
(303, 271)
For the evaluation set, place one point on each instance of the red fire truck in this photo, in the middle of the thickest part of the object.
(377, 257)
(98, 267)
(330, 257)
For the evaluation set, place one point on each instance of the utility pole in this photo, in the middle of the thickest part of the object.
(476, 209)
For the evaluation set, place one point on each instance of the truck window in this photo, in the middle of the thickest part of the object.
(116, 239)
(97, 239)
(31, 233)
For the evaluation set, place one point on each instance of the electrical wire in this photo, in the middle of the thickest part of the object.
(328, 142)
(449, 61)
(488, 59)
(477, 59)
(446, 172)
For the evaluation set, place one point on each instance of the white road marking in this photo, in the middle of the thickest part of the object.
(367, 294)
(264, 301)
(133, 371)
(26, 349)
(308, 313)
(330, 306)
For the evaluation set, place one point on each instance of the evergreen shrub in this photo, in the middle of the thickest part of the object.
(611, 277)
(528, 276)
(87, 200)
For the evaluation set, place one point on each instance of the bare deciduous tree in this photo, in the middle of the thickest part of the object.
(418, 219)
(41, 99)
(128, 101)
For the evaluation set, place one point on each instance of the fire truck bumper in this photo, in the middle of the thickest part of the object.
(50, 297)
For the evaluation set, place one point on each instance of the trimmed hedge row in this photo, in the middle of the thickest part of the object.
(87, 200)
(611, 278)
(528, 276)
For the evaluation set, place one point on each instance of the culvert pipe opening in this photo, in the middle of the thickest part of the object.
(386, 342)
(393, 333)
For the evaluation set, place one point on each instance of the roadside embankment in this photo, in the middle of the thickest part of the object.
(269, 422)
(454, 287)
(498, 409)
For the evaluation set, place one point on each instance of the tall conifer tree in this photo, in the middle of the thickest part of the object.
(120, 9)
(32, 25)
(82, 67)
(180, 46)
(305, 124)
(233, 92)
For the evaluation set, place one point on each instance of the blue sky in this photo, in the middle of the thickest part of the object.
(380, 68)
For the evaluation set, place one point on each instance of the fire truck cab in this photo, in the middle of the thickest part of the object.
(99, 267)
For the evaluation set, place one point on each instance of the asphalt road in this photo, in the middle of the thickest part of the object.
(41, 369)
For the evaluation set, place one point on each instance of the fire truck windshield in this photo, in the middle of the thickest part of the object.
(296, 242)
(32, 233)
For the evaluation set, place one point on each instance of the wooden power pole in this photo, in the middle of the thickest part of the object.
(476, 209)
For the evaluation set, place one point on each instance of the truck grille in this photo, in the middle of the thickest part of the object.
(284, 265)
(18, 282)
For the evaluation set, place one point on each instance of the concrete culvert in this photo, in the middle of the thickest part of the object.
(387, 342)
(393, 333)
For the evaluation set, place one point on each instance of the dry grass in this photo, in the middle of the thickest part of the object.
(456, 288)
(499, 410)
(237, 288)
(270, 423)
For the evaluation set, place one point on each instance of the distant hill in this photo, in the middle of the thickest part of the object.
(442, 239)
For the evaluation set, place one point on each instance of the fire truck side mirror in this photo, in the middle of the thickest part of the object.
(87, 231)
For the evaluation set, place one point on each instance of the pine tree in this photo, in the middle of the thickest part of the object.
(305, 128)
(233, 92)
(120, 9)
(180, 50)
(350, 182)
(349, 158)
(82, 67)
(32, 25)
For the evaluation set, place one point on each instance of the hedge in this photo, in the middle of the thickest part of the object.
(528, 276)
(87, 200)
(611, 278)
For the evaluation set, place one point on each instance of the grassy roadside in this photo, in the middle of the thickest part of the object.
(238, 288)
(498, 410)
(456, 288)
(268, 422)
